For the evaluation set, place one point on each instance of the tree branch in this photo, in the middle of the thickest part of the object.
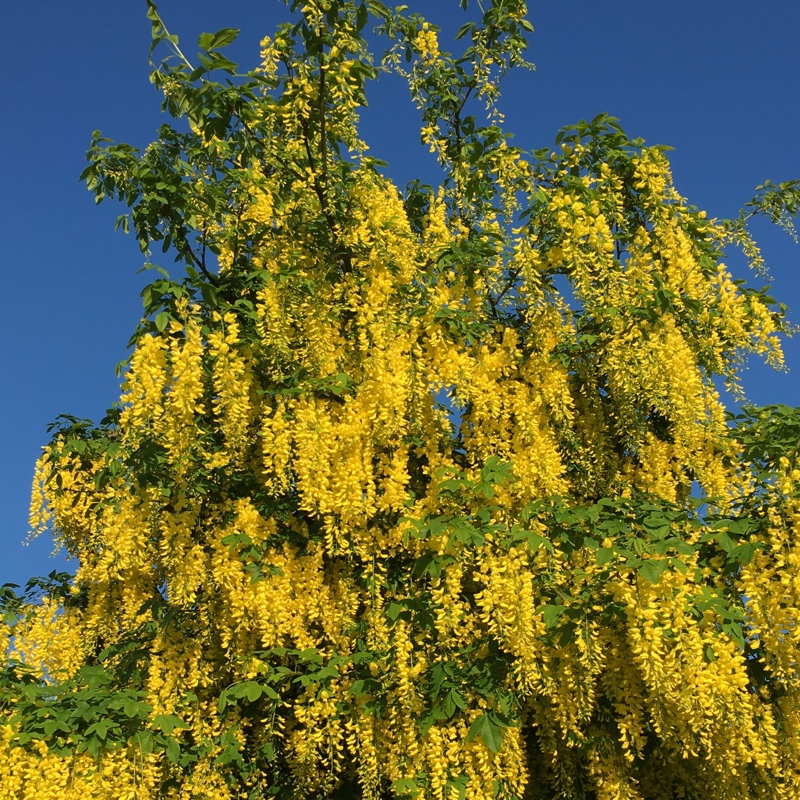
(323, 145)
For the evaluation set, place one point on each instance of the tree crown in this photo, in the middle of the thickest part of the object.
(397, 499)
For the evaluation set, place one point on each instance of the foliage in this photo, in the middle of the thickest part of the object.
(398, 497)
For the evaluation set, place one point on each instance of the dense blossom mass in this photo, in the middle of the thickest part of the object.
(398, 498)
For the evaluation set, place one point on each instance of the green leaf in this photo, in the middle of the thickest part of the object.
(173, 750)
(213, 61)
(551, 613)
(100, 728)
(651, 569)
(491, 733)
(726, 543)
(144, 740)
(94, 745)
(678, 564)
(310, 655)
(326, 672)
(744, 553)
(466, 28)
(134, 709)
(604, 555)
(168, 722)
(222, 38)
(229, 755)
(453, 700)
(734, 630)
(253, 691)
(405, 786)
(362, 15)
(152, 11)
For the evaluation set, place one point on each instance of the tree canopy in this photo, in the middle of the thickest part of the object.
(423, 492)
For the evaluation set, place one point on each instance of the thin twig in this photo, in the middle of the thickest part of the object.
(177, 49)
(323, 145)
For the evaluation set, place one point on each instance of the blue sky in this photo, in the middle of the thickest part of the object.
(718, 81)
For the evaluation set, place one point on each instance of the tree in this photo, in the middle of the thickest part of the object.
(399, 496)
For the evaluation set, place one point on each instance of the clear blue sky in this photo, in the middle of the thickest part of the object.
(719, 81)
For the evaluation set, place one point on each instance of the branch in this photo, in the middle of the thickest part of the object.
(239, 212)
(257, 139)
(200, 263)
(456, 123)
(152, 14)
(512, 279)
(323, 145)
(318, 190)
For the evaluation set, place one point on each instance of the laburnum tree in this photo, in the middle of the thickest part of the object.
(421, 493)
